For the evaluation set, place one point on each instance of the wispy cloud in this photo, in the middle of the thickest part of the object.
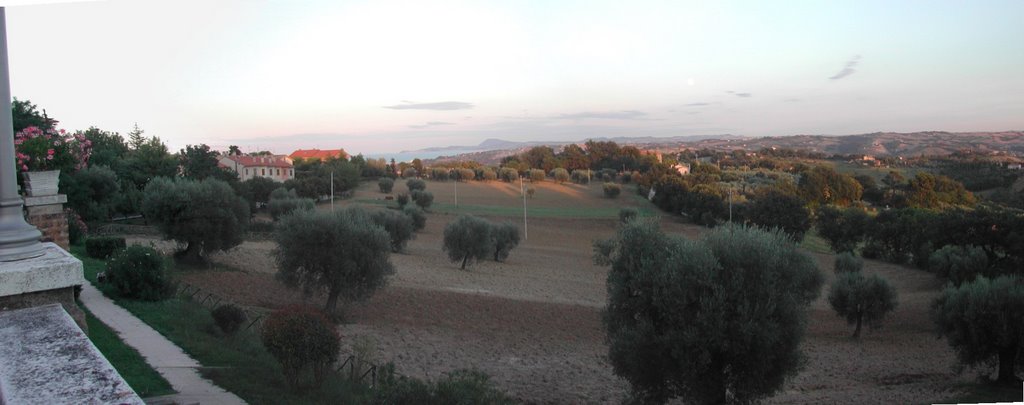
(744, 95)
(431, 124)
(698, 104)
(848, 69)
(443, 105)
(612, 115)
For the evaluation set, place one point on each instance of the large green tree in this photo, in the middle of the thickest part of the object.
(342, 253)
(205, 216)
(711, 321)
(25, 114)
(862, 299)
(783, 211)
(983, 321)
(468, 238)
(843, 228)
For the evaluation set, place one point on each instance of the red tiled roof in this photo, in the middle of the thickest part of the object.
(261, 161)
(318, 154)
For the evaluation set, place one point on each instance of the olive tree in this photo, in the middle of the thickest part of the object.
(398, 225)
(842, 228)
(205, 216)
(959, 264)
(687, 319)
(983, 321)
(284, 201)
(468, 238)
(342, 253)
(780, 210)
(862, 299)
(385, 184)
(505, 237)
(560, 175)
(415, 184)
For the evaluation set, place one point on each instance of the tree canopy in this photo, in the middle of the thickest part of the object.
(689, 319)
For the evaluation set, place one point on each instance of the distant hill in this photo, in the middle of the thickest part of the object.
(491, 151)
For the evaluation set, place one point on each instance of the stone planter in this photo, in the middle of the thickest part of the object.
(41, 183)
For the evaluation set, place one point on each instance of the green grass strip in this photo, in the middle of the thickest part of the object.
(146, 381)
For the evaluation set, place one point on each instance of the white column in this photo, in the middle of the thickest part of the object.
(18, 239)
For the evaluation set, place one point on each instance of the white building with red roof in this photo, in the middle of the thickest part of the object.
(274, 167)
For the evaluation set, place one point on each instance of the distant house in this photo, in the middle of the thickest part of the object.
(1013, 166)
(274, 167)
(317, 154)
(682, 168)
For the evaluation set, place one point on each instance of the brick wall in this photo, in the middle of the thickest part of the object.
(46, 212)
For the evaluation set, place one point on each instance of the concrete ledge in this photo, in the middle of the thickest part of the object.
(46, 359)
(56, 268)
(45, 200)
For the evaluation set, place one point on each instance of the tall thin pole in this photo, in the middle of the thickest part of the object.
(522, 190)
(18, 239)
(332, 190)
(456, 193)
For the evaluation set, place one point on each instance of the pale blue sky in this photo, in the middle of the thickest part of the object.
(392, 75)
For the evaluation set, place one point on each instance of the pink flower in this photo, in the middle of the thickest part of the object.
(50, 152)
(24, 168)
(49, 157)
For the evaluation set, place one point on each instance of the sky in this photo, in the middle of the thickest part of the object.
(386, 76)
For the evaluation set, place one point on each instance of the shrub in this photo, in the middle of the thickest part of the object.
(626, 177)
(398, 226)
(560, 175)
(282, 193)
(419, 218)
(342, 253)
(205, 216)
(530, 191)
(280, 207)
(424, 199)
(504, 237)
(861, 299)
(402, 200)
(489, 175)
(102, 247)
(385, 184)
(409, 173)
(611, 190)
(92, 192)
(77, 229)
(300, 337)
(959, 264)
(628, 214)
(847, 262)
(581, 176)
(139, 272)
(982, 320)
(416, 184)
(536, 175)
(229, 318)
(687, 318)
(468, 238)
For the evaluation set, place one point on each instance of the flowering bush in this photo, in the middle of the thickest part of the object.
(38, 149)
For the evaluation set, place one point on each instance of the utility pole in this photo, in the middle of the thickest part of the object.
(456, 192)
(522, 190)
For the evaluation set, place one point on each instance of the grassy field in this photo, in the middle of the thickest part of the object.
(237, 363)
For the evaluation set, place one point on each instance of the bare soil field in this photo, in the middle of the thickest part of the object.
(533, 323)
